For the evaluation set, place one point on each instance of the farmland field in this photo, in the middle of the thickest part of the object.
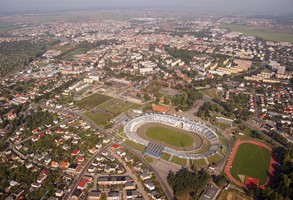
(266, 33)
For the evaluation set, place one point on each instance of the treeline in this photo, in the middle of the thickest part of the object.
(18, 54)
(186, 181)
(282, 187)
(57, 90)
(278, 137)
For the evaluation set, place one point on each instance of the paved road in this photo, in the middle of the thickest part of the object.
(140, 188)
(79, 177)
(190, 115)
(167, 191)
(254, 126)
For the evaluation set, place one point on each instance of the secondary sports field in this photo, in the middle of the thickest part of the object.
(169, 136)
(249, 159)
(92, 101)
(117, 106)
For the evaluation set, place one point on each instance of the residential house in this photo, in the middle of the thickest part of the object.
(149, 185)
(113, 195)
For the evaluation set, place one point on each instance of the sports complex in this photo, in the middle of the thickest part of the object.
(251, 164)
(173, 135)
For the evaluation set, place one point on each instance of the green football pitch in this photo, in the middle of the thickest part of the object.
(169, 136)
(251, 161)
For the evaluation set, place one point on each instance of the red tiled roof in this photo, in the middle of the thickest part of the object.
(116, 146)
(64, 164)
(75, 151)
(45, 171)
(80, 158)
(42, 134)
(82, 183)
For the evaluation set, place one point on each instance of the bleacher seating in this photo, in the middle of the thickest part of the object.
(131, 127)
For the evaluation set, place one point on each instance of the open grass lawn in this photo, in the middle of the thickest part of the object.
(214, 158)
(184, 197)
(134, 145)
(266, 33)
(198, 162)
(253, 161)
(223, 126)
(92, 101)
(149, 159)
(213, 93)
(7, 26)
(100, 119)
(117, 106)
(169, 136)
(166, 156)
(179, 161)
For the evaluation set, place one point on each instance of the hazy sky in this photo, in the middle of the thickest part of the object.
(262, 6)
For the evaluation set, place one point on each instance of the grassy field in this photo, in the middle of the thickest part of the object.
(117, 106)
(134, 145)
(253, 161)
(106, 108)
(6, 26)
(266, 33)
(223, 126)
(166, 156)
(179, 161)
(213, 93)
(92, 101)
(214, 158)
(149, 159)
(169, 136)
(99, 118)
(198, 162)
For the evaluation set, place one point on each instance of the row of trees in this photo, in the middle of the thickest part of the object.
(278, 137)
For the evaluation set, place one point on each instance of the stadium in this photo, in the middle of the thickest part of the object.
(204, 141)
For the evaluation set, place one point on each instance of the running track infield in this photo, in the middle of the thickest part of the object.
(232, 156)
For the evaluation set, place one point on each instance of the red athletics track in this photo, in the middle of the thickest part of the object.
(232, 156)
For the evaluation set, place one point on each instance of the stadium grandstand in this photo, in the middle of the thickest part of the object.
(132, 126)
